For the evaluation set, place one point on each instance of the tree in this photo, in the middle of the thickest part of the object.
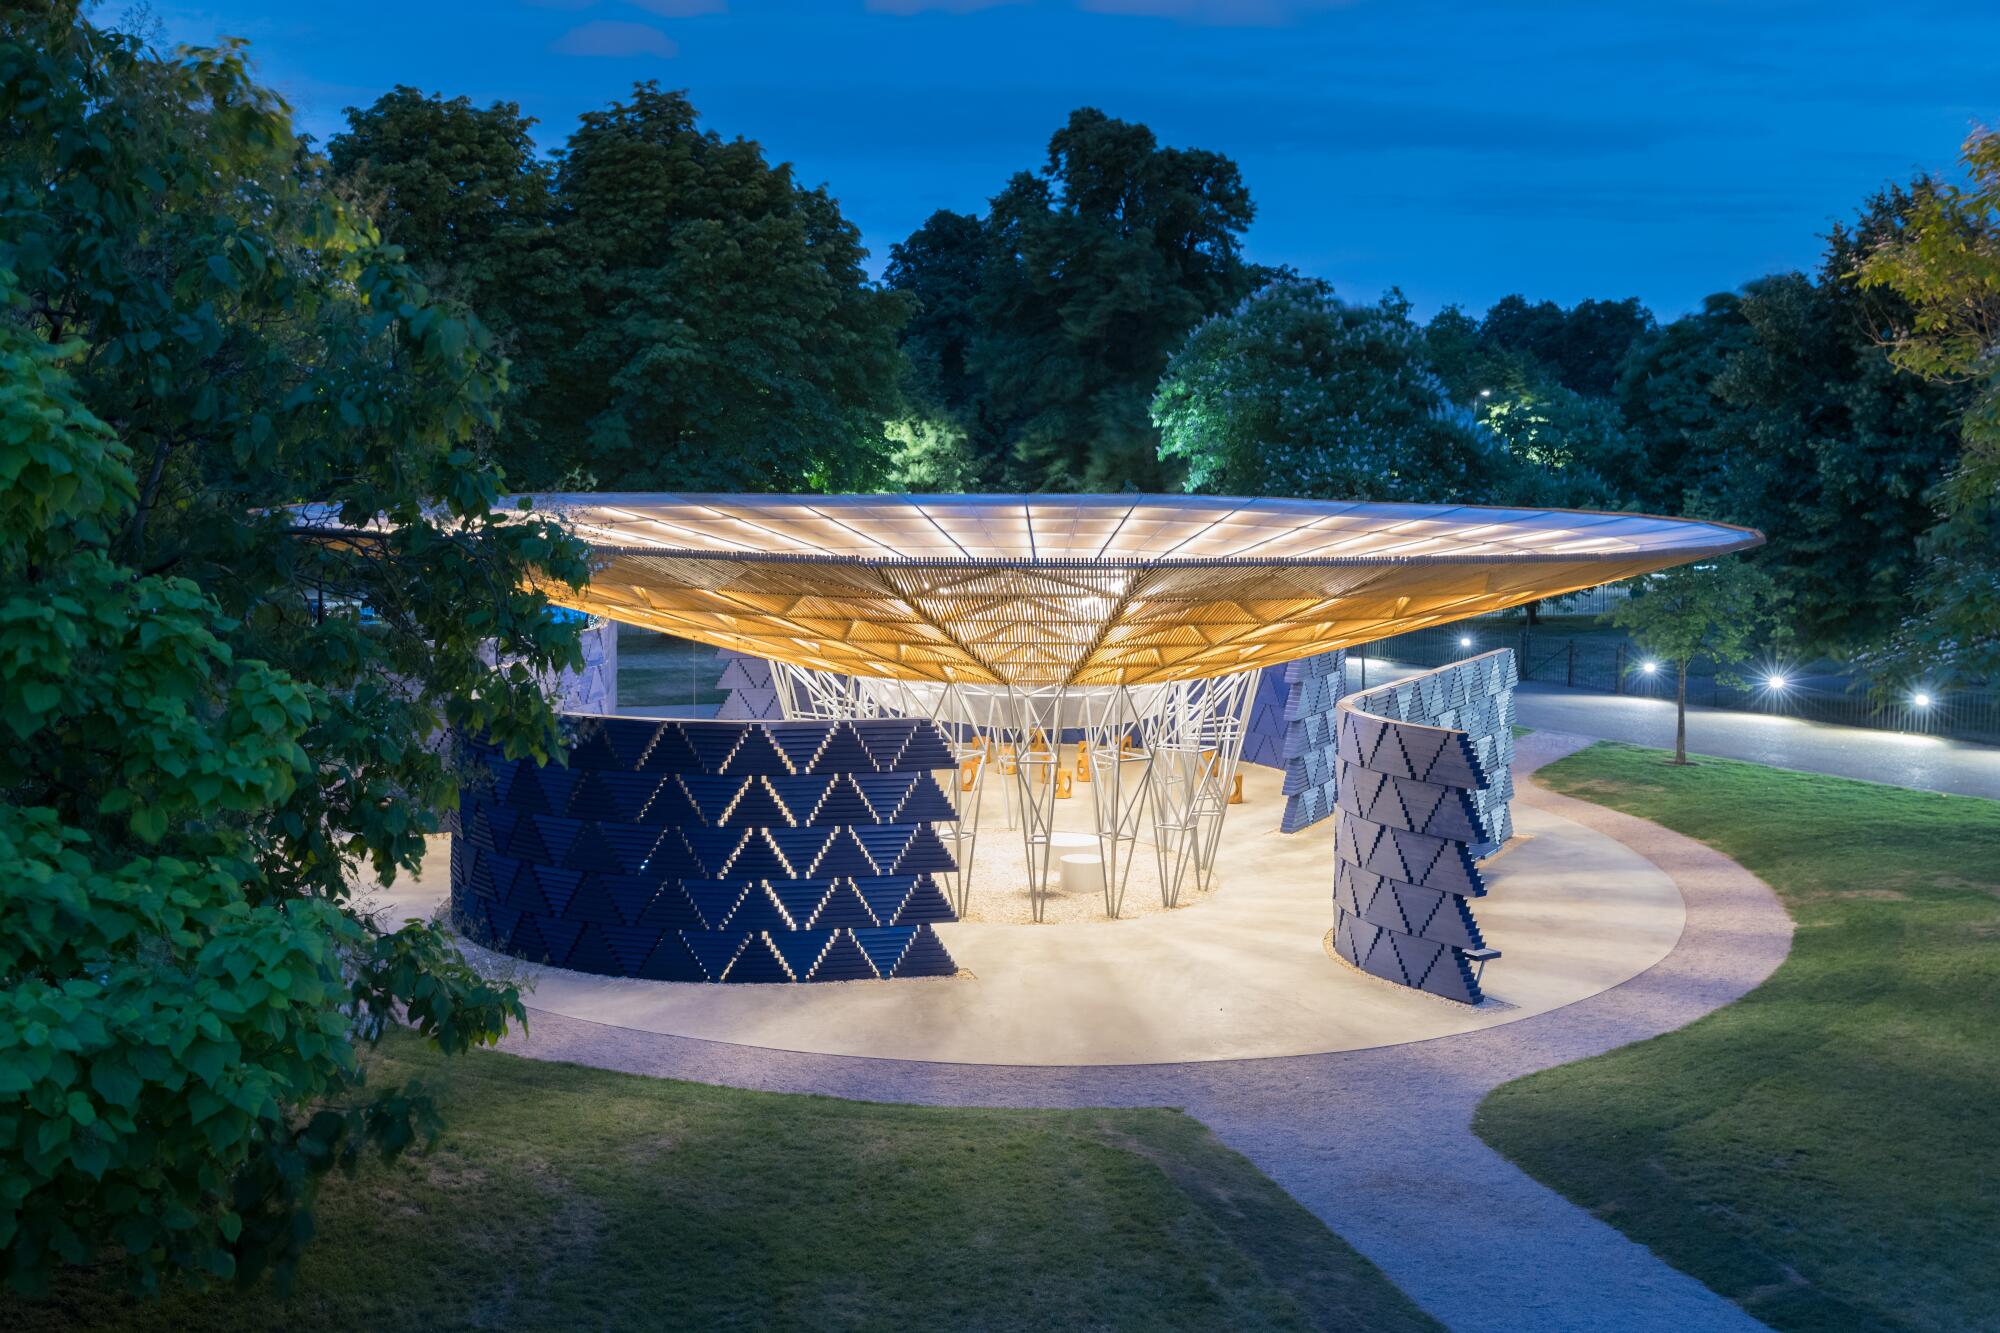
(1539, 377)
(677, 311)
(1713, 611)
(1598, 336)
(1574, 451)
(459, 188)
(1096, 269)
(930, 456)
(1943, 264)
(1775, 407)
(1581, 348)
(1666, 395)
(464, 192)
(1830, 451)
(1471, 368)
(941, 268)
(725, 336)
(1298, 393)
(221, 706)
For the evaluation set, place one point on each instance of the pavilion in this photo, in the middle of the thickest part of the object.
(1049, 646)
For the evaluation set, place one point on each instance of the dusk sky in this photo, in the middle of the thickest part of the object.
(1459, 151)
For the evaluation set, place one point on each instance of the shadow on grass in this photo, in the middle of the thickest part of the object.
(572, 1198)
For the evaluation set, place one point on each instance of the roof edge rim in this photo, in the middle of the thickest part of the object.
(1749, 541)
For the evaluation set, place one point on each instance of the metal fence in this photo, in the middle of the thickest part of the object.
(1608, 664)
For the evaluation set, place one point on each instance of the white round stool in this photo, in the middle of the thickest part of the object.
(1083, 872)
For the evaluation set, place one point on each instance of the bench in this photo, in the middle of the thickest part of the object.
(1479, 957)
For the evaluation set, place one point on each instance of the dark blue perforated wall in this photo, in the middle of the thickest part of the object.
(712, 851)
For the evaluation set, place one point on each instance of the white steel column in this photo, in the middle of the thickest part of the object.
(1163, 756)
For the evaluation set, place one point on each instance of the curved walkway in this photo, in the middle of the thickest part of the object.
(1377, 1143)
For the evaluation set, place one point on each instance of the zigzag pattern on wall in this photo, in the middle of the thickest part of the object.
(1475, 696)
(1291, 728)
(753, 690)
(1311, 776)
(1264, 730)
(713, 851)
(1423, 788)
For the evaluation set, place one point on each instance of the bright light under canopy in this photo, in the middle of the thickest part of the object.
(1084, 589)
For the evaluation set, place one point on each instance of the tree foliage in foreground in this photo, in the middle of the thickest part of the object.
(219, 710)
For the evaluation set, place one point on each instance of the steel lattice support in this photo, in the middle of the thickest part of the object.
(1162, 761)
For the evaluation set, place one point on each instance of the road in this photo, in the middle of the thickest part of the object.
(1928, 763)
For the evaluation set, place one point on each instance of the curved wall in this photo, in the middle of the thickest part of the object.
(1423, 783)
(720, 851)
(1291, 729)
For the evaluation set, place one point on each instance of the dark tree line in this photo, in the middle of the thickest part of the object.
(1777, 406)
(1043, 327)
(678, 312)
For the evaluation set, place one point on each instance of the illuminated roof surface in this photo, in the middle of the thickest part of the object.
(1084, 589)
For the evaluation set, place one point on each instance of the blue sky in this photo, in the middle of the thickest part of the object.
(1460, 151)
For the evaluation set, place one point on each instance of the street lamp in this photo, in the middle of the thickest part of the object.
(1465, 640)
(1776, 681)
(1649, 668)
(1921, 699)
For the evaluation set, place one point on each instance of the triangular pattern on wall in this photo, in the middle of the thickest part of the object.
(1290, 727)
(843, 906)
(843, 961)
(801, 950)
(714, 950)
(925, 956)
(884, 945)
(758, 962)
(1422, 781)
(682, 850)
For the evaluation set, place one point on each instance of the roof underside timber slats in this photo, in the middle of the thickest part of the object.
(1084, 589)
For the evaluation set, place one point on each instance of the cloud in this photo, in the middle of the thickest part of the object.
(603, 37)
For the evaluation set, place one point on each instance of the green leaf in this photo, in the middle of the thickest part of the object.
(115, 1083)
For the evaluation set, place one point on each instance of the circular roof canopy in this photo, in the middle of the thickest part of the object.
(1084, 589)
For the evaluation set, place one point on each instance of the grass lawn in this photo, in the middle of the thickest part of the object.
(570, 1198)
(1823, 1151)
